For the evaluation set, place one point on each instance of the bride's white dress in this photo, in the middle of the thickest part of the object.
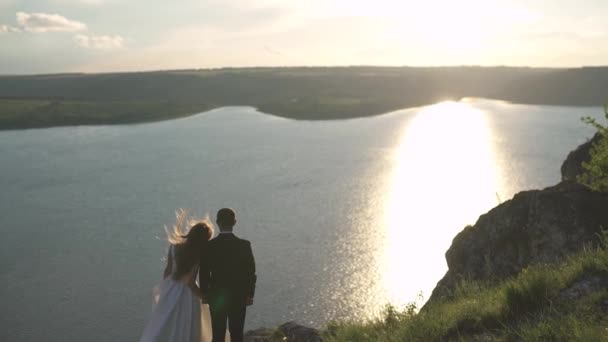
(178, 315)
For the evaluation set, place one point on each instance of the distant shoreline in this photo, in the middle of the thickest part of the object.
(267, 111)
(323, 93)
(159, 117)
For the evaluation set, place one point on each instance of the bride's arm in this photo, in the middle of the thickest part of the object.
(195, 289)
(168, 269)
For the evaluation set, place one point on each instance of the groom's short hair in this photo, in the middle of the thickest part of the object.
(226, 217)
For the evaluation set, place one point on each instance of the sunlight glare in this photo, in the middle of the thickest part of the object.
(465, 28)
(445, 177)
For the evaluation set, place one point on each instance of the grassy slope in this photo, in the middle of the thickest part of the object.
(299, 93)
(528, 307)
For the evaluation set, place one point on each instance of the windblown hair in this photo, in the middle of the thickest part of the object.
(188, 243)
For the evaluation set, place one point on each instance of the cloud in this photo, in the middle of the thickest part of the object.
(100, 42)
(8, 29)
(43, 22)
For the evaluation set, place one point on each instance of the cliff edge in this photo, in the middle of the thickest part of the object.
(535, 227)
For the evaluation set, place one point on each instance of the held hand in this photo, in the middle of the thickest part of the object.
(249, 301)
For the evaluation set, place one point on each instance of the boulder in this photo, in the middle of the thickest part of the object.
(583, 287)
(289, 332)
(537, 226)
(299, 333)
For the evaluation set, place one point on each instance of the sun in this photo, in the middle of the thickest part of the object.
(466, 29)
(449, 25)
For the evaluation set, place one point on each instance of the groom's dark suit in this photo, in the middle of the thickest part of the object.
(227, 278)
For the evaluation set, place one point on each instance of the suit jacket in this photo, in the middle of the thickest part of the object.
(227, 269)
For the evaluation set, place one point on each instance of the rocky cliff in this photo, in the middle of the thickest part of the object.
(572, 166)
(537, 226)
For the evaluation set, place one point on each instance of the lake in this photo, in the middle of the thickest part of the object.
(344, 216)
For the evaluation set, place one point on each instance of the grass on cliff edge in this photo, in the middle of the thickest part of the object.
(595, 175)
(530, 307)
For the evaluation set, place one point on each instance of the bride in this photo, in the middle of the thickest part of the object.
(177, 313)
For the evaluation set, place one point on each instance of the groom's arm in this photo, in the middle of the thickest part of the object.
(203, 275)
(250, 271)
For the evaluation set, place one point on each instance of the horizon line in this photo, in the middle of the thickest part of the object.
(76, 73)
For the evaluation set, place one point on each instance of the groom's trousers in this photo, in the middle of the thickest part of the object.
(234, 316)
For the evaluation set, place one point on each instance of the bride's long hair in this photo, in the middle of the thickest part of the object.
(189, 237)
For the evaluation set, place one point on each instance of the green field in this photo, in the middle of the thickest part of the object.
(298, 93)
(22, 113)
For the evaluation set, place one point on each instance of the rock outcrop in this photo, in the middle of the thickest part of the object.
(299, 333)
(537, 226)
(572, 166)
(290, 332)
(582, 287)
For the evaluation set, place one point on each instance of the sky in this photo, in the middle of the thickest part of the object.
(52, 36)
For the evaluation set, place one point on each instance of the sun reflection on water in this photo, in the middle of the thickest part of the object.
(444, 178)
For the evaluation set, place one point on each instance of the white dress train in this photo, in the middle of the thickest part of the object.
(178, 315)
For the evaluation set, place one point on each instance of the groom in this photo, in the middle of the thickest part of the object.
(227, 279)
